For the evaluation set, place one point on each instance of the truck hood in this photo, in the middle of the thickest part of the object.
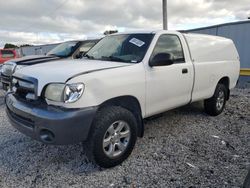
(64, 70)
(34, 59)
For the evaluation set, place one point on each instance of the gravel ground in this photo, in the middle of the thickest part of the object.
(181, 148)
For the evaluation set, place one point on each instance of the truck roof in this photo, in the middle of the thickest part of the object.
(170, 32)
(145, 32)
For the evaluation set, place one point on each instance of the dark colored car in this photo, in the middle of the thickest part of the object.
(70, 49)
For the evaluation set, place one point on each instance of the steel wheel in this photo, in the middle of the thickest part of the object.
(113, 136)
(116, 139)
(220, 100)
(215, 105)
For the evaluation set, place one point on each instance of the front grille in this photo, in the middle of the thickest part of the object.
(24, 89)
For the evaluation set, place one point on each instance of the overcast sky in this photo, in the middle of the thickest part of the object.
(49, 21)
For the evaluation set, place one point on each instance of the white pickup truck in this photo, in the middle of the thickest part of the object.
(101, 100)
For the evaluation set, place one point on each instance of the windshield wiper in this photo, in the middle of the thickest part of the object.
(113, 58)
(88, 56)
(51, 55)
(56, 55)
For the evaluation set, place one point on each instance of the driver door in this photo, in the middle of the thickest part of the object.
(168, 86)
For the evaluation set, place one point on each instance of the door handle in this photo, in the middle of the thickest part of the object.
(184, 71)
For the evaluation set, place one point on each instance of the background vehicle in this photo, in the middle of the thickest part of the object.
(7, 54)
(66, 50)
(125, 78)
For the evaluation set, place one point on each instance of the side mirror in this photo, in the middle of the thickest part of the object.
(161, 59)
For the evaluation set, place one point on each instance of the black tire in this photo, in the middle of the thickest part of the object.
(210, 104)
(105, 117)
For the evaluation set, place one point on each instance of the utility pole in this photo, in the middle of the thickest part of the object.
(165, 14)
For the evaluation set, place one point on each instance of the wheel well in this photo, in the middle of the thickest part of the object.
(225, 81)
(130, 103)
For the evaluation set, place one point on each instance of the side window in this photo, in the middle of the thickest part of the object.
(7, 54)
(170, 44)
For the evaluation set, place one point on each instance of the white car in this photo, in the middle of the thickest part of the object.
(102, 100)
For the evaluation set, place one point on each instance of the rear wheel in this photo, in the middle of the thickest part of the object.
(215, 105)
(113, 136)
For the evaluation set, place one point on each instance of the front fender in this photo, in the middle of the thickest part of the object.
(103, 85)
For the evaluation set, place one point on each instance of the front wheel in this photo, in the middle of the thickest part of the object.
(113, 136)
(215, 105)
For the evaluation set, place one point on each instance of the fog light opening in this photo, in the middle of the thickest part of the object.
(47, 136)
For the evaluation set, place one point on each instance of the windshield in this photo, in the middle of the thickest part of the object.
(63, 50)
(130, 48)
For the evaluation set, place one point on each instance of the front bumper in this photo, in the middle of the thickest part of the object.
(49, 124)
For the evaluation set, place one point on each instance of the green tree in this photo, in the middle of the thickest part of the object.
(24, 45)
(8, 45)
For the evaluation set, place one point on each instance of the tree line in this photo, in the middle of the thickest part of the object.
(9, 45)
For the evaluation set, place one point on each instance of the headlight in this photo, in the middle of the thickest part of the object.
(54, 92)
(73, 92)
(67, 93)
